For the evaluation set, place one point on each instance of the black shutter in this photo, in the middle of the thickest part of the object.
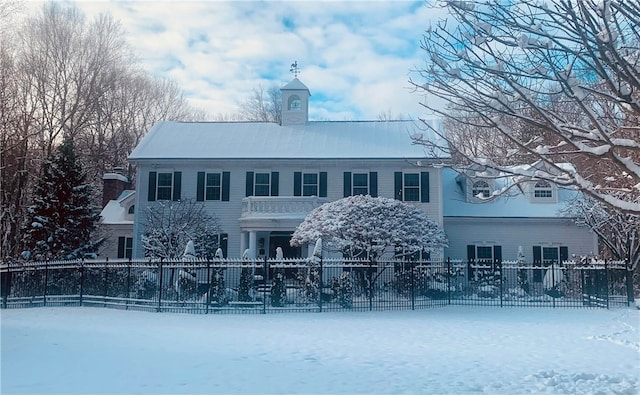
(373, 184)
(347, 183)
(297, 183)
(226, 186)
(275, 181)
(471, 258)
(152, 186)
(424, 186)
(323, 184)
(121, 241)
(564, 254)
(249, 190)
(537, 261)
(397, 185)
(224, 242)
(200, 188)
(177, 185)
(497, 254)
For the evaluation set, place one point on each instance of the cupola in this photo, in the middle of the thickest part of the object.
(295, 103)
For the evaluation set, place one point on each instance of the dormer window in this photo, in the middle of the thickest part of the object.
(480, 189)
(132, 209)
(542, 190)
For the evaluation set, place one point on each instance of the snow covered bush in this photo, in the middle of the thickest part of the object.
(365, 226)
(278, 289)
(342, 289)
(245, 288)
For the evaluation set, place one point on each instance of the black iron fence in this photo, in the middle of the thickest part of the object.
(269, 285)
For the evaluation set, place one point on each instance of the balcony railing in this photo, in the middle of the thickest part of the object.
(280, 206)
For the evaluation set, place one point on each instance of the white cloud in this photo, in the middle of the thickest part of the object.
(354, 56)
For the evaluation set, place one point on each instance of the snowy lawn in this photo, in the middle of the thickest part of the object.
(450, 350)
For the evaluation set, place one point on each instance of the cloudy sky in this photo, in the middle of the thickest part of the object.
(356, 57)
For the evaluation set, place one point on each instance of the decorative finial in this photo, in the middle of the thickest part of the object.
(294, 69)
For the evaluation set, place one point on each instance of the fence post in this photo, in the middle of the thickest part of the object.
(81, 269)
(629, 278)
(207, 300)
(370, 277)
(106, 283)
(320, 286)
(606, 278)
(46, 279)
(6, 286)
(128, 283)
(498, 268)
(413, 285)
(159, 308)
(264, 288)
(553, 280)
(448, 280)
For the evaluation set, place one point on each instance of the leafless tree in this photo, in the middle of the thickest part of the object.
(556, 82)
(263, 106)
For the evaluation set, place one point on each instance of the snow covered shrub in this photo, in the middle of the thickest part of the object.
(246, 285)
(523, 280)
(146, 285)
(217, 290)
(342, 289)
(186, 285)
(309, 277)
(278, 289)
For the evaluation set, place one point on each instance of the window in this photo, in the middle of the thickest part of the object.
(262, 183)
(125, 247)
(360, 183)
(542, 189)
(480, 189)
(482, 259)
(213, 186)
(165, 182)
(544, 256)
(132, 209)
(310, 184)
(164, 185)
(411, 191)
(294, 103)
(412, 186)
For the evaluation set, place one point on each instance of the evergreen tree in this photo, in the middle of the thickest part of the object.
(62, 218)
(278, 289)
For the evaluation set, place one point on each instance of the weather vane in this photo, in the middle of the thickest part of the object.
(294, 69)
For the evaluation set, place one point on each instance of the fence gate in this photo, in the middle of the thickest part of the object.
(595, 288)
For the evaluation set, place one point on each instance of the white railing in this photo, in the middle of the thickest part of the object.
(280, 205)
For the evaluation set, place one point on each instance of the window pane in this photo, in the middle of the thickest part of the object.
(485, 254)
(310, 190)
(411, 195)
(310, 178)
(361, 180)
(411, 180)
(261, 190)
(213, 179)
(262, 178)
(550, 254)
(164, 179)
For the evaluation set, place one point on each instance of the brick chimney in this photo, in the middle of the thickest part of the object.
(114, 184)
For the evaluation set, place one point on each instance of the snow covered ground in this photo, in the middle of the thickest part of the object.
(449, 350)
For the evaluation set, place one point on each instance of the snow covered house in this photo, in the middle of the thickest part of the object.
(261, 179)
(117, 216)
(526, 221)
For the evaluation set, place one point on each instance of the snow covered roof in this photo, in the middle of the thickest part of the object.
(455, 203)
(115, 212)
(294, 85)
(262, 140)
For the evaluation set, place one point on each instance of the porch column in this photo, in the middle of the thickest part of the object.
(253, 243)
(243, 242)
